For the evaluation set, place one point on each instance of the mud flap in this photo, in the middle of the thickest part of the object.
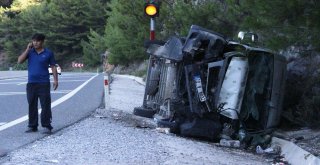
(144, 112)
(203, 128)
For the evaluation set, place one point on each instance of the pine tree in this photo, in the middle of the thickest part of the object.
(210, 14)
(282, 23)
(125, 32)
(93, 49)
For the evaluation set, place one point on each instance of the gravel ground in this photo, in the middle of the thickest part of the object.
(113, 137)
(105, 140)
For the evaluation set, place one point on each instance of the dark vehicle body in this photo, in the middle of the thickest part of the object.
(207, 86)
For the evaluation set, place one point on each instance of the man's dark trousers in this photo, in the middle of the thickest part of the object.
(40, 91)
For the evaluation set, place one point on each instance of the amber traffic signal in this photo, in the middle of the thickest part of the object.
(151, 9)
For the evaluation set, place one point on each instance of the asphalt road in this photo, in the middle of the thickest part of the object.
(78, 95)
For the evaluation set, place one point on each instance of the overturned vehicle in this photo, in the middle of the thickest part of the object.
(207, 86)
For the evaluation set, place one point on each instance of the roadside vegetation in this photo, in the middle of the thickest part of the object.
(83, 30)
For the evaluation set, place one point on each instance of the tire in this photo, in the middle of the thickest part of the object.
(144, 112)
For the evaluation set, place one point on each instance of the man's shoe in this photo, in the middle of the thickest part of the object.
(47, 130)
(31, 129)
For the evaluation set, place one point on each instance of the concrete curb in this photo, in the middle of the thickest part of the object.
(139, 80)
(294, 154)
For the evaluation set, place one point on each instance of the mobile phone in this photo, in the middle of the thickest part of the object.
(31, 45)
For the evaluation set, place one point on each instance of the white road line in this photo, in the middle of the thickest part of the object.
(72, 76)
(11, 93)
(23, 93)
(22, 83)
(2, 123)
(60, 81)
(75, 75)
(55, 103)
(61, 91)
(11, 79)
(11, 83)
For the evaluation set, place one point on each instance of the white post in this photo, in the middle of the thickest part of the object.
(106, 91)
(152, 29)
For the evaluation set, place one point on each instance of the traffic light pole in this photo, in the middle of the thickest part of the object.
(152, 29)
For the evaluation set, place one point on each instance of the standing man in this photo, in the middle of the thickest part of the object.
(38, 86)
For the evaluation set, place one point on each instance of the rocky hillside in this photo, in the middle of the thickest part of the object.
(302, 100)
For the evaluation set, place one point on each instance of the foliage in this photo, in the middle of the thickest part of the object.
(125, 31)
(64, 22)
(93, 49)
(22, 66)
(13, 8)
(67, 24)
(209, 14)
(282, 23)
(6, 3)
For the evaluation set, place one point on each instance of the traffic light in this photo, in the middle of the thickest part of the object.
(151, 9)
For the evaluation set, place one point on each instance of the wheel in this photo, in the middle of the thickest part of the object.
(144, 112)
